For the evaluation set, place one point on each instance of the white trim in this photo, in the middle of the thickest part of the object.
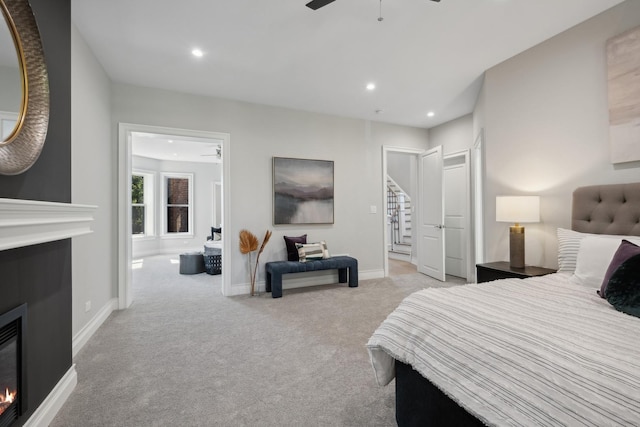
(466, 156)
(167, 251)
(477, 192)
(46, 412)
(29, 222)
(124, 196)
(90, 328)
(385, 246)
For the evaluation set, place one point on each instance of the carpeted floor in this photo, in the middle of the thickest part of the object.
(184, 355)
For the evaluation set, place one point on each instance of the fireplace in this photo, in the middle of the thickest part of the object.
(12, 376)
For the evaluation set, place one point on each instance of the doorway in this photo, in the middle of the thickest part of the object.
(457, 215)
(188, 230)
(400, 183)
(456, 211)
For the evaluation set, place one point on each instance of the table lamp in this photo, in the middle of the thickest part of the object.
(517, 209)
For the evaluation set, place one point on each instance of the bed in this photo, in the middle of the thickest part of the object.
(540, 351)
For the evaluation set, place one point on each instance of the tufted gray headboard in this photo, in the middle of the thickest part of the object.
(607, 209)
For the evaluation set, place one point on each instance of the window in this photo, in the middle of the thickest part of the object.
(142, 204)
(137, 204)
(178, 208)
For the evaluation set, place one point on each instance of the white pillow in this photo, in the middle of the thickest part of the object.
(594, 256)
(311, 251)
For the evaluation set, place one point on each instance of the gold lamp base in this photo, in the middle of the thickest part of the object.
(516, 246)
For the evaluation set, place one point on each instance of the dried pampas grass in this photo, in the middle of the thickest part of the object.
(248, 242)
(267, 236)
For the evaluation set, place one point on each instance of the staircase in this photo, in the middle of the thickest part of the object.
(399, 220)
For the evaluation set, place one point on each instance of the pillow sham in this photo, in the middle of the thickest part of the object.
(312, 251)
(568, 246)
(623, 289)
(625, 251)
(594, 256)
(292, 250)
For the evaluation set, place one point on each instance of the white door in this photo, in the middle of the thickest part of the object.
(456, 208)
(431, 244)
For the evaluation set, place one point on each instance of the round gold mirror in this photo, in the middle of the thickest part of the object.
(24, 106)
(11, 84)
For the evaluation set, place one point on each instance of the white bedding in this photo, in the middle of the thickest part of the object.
(540, 351)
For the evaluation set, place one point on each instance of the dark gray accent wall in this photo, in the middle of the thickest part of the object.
(40, 275)
(50, 177)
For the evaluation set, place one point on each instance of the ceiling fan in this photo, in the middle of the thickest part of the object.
(217, 154)
(317, 4)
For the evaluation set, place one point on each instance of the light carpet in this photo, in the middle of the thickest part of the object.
(184, 355)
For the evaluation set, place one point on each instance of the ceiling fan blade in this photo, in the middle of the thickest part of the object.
(317, 4)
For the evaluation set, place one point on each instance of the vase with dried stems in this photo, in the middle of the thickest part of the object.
(248, 245)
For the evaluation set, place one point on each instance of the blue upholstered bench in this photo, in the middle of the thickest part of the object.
(347, 268)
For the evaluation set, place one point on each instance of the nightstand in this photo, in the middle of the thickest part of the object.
(502, 270)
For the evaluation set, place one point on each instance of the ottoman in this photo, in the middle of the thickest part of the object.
(191, 263)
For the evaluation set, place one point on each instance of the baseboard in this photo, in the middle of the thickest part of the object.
(305, 279)
(167, 251)
(399, 256)
(371, 274)
(90, 328)
(46, 412)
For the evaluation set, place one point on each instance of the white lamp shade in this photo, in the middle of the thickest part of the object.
(518, 209)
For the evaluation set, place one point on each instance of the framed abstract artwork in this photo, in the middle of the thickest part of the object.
(302, 191)
(623, 71)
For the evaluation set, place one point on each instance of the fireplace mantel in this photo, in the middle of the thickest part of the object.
(29, 222)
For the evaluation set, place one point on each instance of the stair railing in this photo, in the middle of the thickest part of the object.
(397, 212)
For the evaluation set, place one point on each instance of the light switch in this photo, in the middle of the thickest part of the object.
(373, 209)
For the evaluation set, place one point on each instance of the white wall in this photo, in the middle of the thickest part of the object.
(453, 136)
(260, 132)
(400, 168)
(204, 175)
(545, 117)
(93, 179)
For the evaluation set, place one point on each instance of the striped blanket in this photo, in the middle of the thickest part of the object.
(540, 351)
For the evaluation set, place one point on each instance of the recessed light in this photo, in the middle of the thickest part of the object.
(371, 86)
(197, 53)
(170, 141)
(431, 114)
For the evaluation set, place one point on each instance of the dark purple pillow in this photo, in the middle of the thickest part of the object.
(623, 290)
(292, 250)
(625, 251)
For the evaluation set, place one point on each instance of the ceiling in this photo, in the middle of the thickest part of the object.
(423, 56)
(175, 148)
